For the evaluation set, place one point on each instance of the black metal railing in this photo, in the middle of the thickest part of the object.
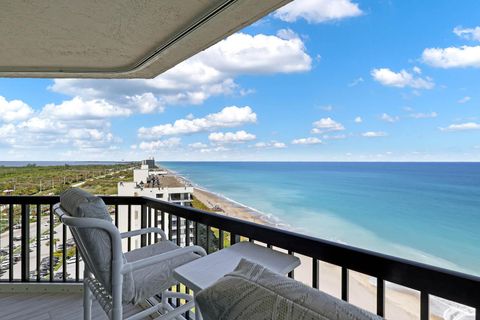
(187, 226)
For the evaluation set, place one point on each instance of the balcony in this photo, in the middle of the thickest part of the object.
(44, 272)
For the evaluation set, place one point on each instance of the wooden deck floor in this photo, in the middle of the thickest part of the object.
(46, 306)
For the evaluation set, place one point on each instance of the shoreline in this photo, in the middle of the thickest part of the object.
(400, 302)
(362, 291)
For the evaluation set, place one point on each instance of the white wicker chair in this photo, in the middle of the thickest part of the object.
(114, 278)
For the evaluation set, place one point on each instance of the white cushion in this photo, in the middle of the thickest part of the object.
(256, 293)
(98, 245)
(156, 278)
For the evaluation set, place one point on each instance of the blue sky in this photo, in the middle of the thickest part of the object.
(318, 80)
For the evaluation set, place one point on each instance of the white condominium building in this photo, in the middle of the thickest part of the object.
(153, 182)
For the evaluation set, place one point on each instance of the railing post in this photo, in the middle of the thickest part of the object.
(38, 242)
(207, 230)
(344, 284)
(424, 306)
(234, 238)
(380, 297)
(64, 253)
(291, 274)
(25, 243)
(116, 215)
(315, 273)
(143, 223)
(129, 227)
(155, 224)
(51, 242)
(187, 232)
(220, 239)
(10, 242)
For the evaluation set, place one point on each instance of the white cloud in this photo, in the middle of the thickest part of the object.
(198, 145)
(73, 123)
(462, 127)
(8, 134)
(317, 11)
(272, 144)
(401, 79)
(465, 99)
(421, 115)
(452, 57)
(78, 109)
(278, 145)
(417, 70)
(374, 134)
(327, 108)
(231, 137)
(309, 140)
(356, 82)
(358, 120)
(159, 144)
(228, 117)
(216, 149)
(327, 125)
(40, 132)
(468, 33)
(14, 110)
(145, 103)
(388, 118)
(209, 73)
(335, 137)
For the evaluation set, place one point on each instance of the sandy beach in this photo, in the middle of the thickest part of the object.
(402, 304)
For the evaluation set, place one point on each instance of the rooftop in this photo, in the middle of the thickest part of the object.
(164, 181)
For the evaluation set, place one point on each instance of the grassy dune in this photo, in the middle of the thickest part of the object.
(36, 180)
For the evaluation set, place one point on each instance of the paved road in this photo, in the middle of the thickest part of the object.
(44, 246)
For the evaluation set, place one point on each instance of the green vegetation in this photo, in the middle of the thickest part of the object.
(214, 232)
(107, 185)
(197, 204)
(53, 180)
(59, 254)
(36, 180)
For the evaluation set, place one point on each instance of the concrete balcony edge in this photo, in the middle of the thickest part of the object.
(26, 287)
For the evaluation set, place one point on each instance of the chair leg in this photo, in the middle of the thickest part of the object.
(87, 302)
(164, 302)
(198, 314)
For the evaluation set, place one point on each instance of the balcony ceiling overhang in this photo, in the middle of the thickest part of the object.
(115, 39)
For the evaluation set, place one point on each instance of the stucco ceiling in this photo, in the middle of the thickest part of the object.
(115, 39)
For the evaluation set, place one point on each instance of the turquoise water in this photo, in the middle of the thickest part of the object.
(427, 212)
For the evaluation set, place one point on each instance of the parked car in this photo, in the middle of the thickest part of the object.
(59, 275)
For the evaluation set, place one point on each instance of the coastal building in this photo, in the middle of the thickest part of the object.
(153, 182)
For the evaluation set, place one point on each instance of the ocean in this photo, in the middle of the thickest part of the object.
(427, 212)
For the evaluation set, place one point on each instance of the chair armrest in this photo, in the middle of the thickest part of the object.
(142, 263)
(138, 232)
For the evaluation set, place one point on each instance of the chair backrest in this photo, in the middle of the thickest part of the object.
(253, 292)
(95, 244)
